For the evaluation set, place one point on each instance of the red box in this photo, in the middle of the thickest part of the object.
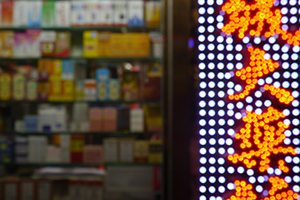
(96, 119)
(110, 119)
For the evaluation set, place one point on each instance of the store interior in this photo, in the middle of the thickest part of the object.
(97, 100)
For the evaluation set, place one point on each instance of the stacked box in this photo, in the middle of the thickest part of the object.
(62, 14)
(37, 149)
(110, 119)
(96, 116)
(111, 149)
(141, 151)
(7, 44)
(126, 148)
(77, 144)
(135, 13)
(34, 13)
(63, 44)
(6, 153)
(48, 13)
(20, 45)
(90, 44)
(102, 77)
(7, 13)
(65, 141)
(48, 42)
(21, 149)
(93, 154)
(5, 86)
(137, 120)
(19, 84)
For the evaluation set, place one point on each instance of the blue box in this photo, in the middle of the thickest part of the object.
(102, 74)
(31, 123)
(102, 90)
(68, 72)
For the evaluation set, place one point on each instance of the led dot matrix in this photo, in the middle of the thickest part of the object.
(249, 107)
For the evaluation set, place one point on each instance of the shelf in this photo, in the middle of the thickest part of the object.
(89, 102)
(117, 133)
(78, 29)
(79, 164)
(117, 59)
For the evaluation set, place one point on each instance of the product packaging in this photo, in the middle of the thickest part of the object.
(136, 13)
(5, 86)
(111, 149)
(62, 13)
(137, 120)
(77, 13)
(90, 44)
(120, 13)
(7, 44)
(19, 85)
(77, 144)
(48, 41)
(20, 14)
(48, 14)
(34, 13)
(90, 89)
(126, 153)
(7, 13)
(105, 14)
(110, 119)
(21, 45)
(34, 42)
(152, 13)
(63, 44)
(96, 119)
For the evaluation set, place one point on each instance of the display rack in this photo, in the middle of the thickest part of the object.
(15, 168)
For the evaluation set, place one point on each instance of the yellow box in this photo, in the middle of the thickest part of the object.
(118, 44)
(55, 69)
(55, 89)
(68, 91)
(19, 87)
(90, 44)
(6, 44)
(155, 151)
(5, 86)
(104, 44)
(142, 44)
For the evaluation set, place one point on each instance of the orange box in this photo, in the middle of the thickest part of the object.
(7, 13)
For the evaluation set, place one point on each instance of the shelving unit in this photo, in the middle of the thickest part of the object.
(87, 138)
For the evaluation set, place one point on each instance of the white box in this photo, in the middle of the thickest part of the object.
(20, 14)
(53, 154)
(34, 13)
(65, 154)
(90, 13)
(19, 126)
(126, 153)
(80, 112)
(136, 120)
(105, 14)
(65, 141)
(37, 149)
(135, 13)
(62, 13)
(84, 126)
(77, 13)
(110, 146)
(120, 13)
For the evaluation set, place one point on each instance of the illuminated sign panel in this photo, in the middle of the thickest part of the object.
(249, 99)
